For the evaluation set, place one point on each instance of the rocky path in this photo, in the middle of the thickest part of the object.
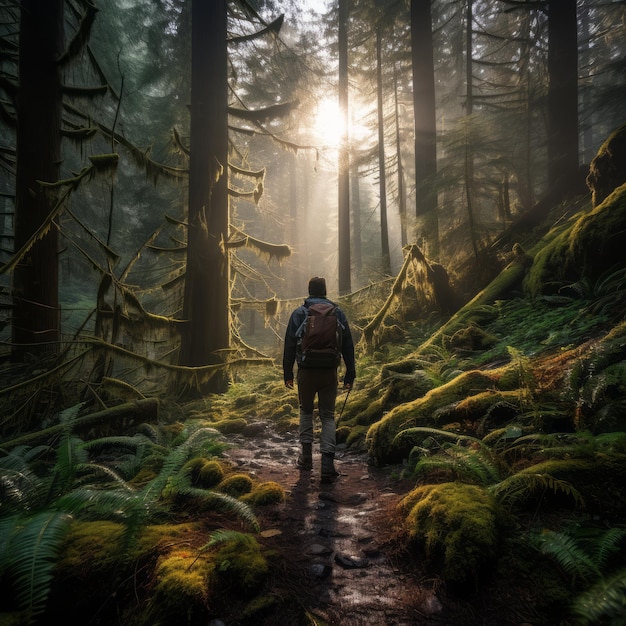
(338, 537)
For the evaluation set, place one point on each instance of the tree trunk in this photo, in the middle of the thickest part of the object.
(355, 202)
(343, 164)
(400, 172)
(36, 327)
(206, 302)
(425, 120)
(382, 184)
(562, 94)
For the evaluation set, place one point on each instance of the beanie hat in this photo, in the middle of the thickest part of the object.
(317, 286)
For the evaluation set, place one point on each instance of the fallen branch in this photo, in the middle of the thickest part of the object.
(145, 410)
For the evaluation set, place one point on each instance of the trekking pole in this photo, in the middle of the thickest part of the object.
(344, 405)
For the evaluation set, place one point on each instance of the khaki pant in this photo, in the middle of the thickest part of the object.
(323, 383)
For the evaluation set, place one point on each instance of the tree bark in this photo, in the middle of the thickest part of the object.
(425, 121)
(562, 93)
(343, 157)
(206, 302)
(36, 326)
(382, 180)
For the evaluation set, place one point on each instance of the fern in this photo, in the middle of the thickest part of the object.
(584, 553)
(435, 432)
(35, 545)
(222, 536)
(173, 462)
(20, 488)
(523, 484)
(604, 602)
(464, 463)
(565, 550)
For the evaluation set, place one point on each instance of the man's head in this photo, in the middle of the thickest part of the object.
(317, 286)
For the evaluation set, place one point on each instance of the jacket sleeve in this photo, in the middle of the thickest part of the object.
(289, 350)
(347, 351)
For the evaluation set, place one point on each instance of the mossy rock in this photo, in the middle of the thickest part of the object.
(356, 438)
(265, 493)
(282, 411)
(471, 338)
(236, 485)
(259, 607)
(594, 482)
(342, 434)
(608, 168)
(455, 527)
(181, 587)
(586, 247)
(231, 425)
(246, 400)
(91, 547)
(381, 437)
(473, 409)
(240, 564)
(211, 473)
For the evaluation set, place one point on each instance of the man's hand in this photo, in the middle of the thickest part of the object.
(289, 384)
(347, 386)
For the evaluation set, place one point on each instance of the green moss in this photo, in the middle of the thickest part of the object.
(245, 400)
(15, 619)
(259, 606)
(455, 527)
(282, 411)
(342, 434)
(596, 240)
(211, 473)
(356, 438)
(181, 590)
(422, 412)
(585, 247)
(264, 493)
(479, 405)
(471, 338)
(92, 545)
(240, 565)
(236, 485)
(192, 468)
(230, 425)
(159, 537)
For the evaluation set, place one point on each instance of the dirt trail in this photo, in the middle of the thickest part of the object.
(338, 537)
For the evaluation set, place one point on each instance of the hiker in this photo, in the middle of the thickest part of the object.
(317, 374)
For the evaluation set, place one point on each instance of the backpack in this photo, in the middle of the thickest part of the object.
(319, 337)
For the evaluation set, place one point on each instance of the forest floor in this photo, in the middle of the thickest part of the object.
(338, 543)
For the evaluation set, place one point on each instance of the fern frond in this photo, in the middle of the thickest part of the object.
(523, 484)
(464, 463)
(20, 488)
(89, 471)
(604, 602)
(139, 443)
(173, 462)
(608, 545)
(34, 550)
(565, 551)
(434, 432)
(223, 535)
(224, 502)
(112, 505)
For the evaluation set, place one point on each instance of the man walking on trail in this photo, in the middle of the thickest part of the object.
(317, 371)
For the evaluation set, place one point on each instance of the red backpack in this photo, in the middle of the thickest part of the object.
(319, 337)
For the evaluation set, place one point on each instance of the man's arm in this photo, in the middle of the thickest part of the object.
(289, 349)
(347, 352)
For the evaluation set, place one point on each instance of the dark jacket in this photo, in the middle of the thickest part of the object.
(295, 321)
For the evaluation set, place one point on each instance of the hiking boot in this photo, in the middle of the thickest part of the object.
(305, 458)
(329, 473)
